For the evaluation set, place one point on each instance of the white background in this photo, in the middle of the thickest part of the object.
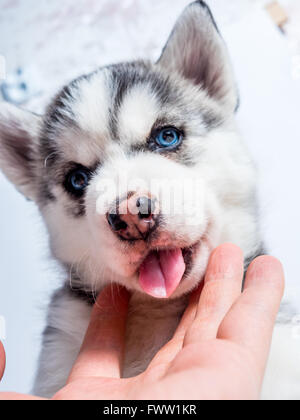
(57, 41)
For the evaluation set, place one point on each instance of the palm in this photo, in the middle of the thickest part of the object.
(217, 351)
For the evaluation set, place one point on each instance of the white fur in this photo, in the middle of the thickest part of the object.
(138, 113)
(92, 109)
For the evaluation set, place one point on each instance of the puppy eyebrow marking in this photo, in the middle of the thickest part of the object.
(91, 110)
(127, 76)
(136, 114)
(82, 104)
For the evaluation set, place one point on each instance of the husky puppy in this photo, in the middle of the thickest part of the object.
(171, 121)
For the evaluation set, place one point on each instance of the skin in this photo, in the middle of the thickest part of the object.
(218, 352)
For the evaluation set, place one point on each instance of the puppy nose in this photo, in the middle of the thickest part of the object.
(146, 207)
(135, 217)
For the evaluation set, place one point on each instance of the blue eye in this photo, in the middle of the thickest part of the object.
(168, 137)
(77, 181)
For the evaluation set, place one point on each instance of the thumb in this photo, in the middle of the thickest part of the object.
(102, 350)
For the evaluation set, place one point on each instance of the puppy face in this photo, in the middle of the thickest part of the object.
(136, 168)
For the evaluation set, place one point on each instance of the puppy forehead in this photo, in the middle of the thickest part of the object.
(117, 104)
(92, 106)
(118, 98)
(137, 114)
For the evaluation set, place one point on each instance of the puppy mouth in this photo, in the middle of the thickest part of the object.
(162, 271)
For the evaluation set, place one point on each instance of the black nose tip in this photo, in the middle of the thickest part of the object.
(145, 206)
(115, 222)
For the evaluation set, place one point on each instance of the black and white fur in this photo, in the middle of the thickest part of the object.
(103, 122)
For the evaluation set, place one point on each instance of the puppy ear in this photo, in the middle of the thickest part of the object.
(19, 147)
(197, 51)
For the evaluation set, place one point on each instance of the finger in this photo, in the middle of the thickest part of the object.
(2, 360)
(251, 320)
(102, 350)
(169, 351)
(189, 314)
(222, 286)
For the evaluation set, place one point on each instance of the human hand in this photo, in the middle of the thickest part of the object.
(219, 350)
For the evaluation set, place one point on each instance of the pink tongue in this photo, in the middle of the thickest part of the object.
(161, 273)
